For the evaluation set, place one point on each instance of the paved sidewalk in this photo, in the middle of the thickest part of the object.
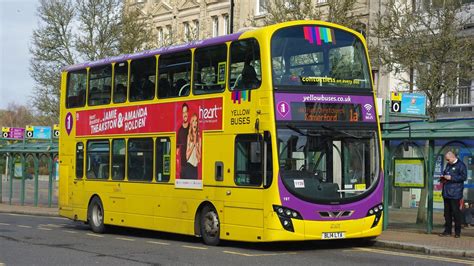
(18, 209)
(393, 238)
(428, 243)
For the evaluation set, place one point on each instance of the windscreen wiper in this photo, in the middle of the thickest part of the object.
(341, 131)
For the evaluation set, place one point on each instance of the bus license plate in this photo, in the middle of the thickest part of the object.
(334, 235)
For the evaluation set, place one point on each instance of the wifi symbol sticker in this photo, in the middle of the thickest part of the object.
(368, 107)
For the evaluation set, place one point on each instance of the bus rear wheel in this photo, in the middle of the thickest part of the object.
(95, 215)
(210, 226)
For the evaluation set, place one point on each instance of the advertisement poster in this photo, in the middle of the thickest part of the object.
(409, 173)
(187, 119)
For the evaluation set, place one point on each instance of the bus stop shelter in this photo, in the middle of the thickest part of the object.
(31, 173)
(426, 142)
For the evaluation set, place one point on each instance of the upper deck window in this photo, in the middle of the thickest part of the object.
(76, 88)
(100, 84)
(142, 79)
(319, 56)
(210, 66)
(174, 74)
(120, 82)
(245, 65)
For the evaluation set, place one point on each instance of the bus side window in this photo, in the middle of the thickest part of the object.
(140, 159)
(76, 89)
(97, 159)
(174, 75)
(248, 163)
(163, 159)
(142, 79)
(245, 65)
(120, 82)
(118, 159)
(79, 160)
(210, 64)
(100, 84)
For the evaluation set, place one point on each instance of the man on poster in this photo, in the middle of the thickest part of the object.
(453, 178)
(182, 142)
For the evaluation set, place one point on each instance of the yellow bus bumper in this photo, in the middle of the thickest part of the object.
(313, 230)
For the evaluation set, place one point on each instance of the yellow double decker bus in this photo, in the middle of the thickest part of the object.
(264, 135)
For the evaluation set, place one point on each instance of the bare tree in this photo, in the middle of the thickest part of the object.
(426, 40)
(79, 30)
(17, 116)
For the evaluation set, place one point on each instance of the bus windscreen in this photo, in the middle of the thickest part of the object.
(319, 56)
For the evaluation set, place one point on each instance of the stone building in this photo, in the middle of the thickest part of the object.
(177, 21)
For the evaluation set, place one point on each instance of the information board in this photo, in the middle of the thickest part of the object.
(409, 172)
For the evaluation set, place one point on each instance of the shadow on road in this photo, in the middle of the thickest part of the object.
(269, 246)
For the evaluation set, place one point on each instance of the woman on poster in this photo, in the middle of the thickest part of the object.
(193, 151)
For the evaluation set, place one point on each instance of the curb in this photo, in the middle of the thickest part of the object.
(424, 249)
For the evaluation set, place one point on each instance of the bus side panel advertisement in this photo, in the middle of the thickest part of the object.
(188, 119)
(324, 107)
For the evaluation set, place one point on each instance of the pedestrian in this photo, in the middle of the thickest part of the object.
(453, 178)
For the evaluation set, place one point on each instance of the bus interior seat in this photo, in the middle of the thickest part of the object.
(164, 88)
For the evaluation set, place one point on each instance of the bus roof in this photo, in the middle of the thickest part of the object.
(161, 50)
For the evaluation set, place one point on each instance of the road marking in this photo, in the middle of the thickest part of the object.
(96, 235)
(428, 257)
(258, 255)
(125, 239)
(45, 229)
(194, 247)
(24, 226)
(70, 232)
(36, 216)
(158, 243)
(54, 225)
(4, 224)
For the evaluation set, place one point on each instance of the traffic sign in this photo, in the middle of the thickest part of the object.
(13, 133)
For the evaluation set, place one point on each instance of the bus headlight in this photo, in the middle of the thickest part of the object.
(287, 212)
(377, 211)
(285, 215)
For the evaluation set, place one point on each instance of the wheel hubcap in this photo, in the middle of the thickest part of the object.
(97, 215)
(211, 224)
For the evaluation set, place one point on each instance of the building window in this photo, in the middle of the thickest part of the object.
(169, 35)
(215, 26)
(187, 32)
(196, 29)
(160, 36)
(226, 24)
(321, 1)
(261, 7)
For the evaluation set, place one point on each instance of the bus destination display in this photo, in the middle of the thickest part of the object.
(326, 112)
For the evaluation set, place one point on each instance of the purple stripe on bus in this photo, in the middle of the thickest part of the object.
(310, 211)
(162, 50)
(366, 102)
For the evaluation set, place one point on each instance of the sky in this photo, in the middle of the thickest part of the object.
(17, 21)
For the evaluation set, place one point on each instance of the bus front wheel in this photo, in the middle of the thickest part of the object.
(210, 226)
(95, 215)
